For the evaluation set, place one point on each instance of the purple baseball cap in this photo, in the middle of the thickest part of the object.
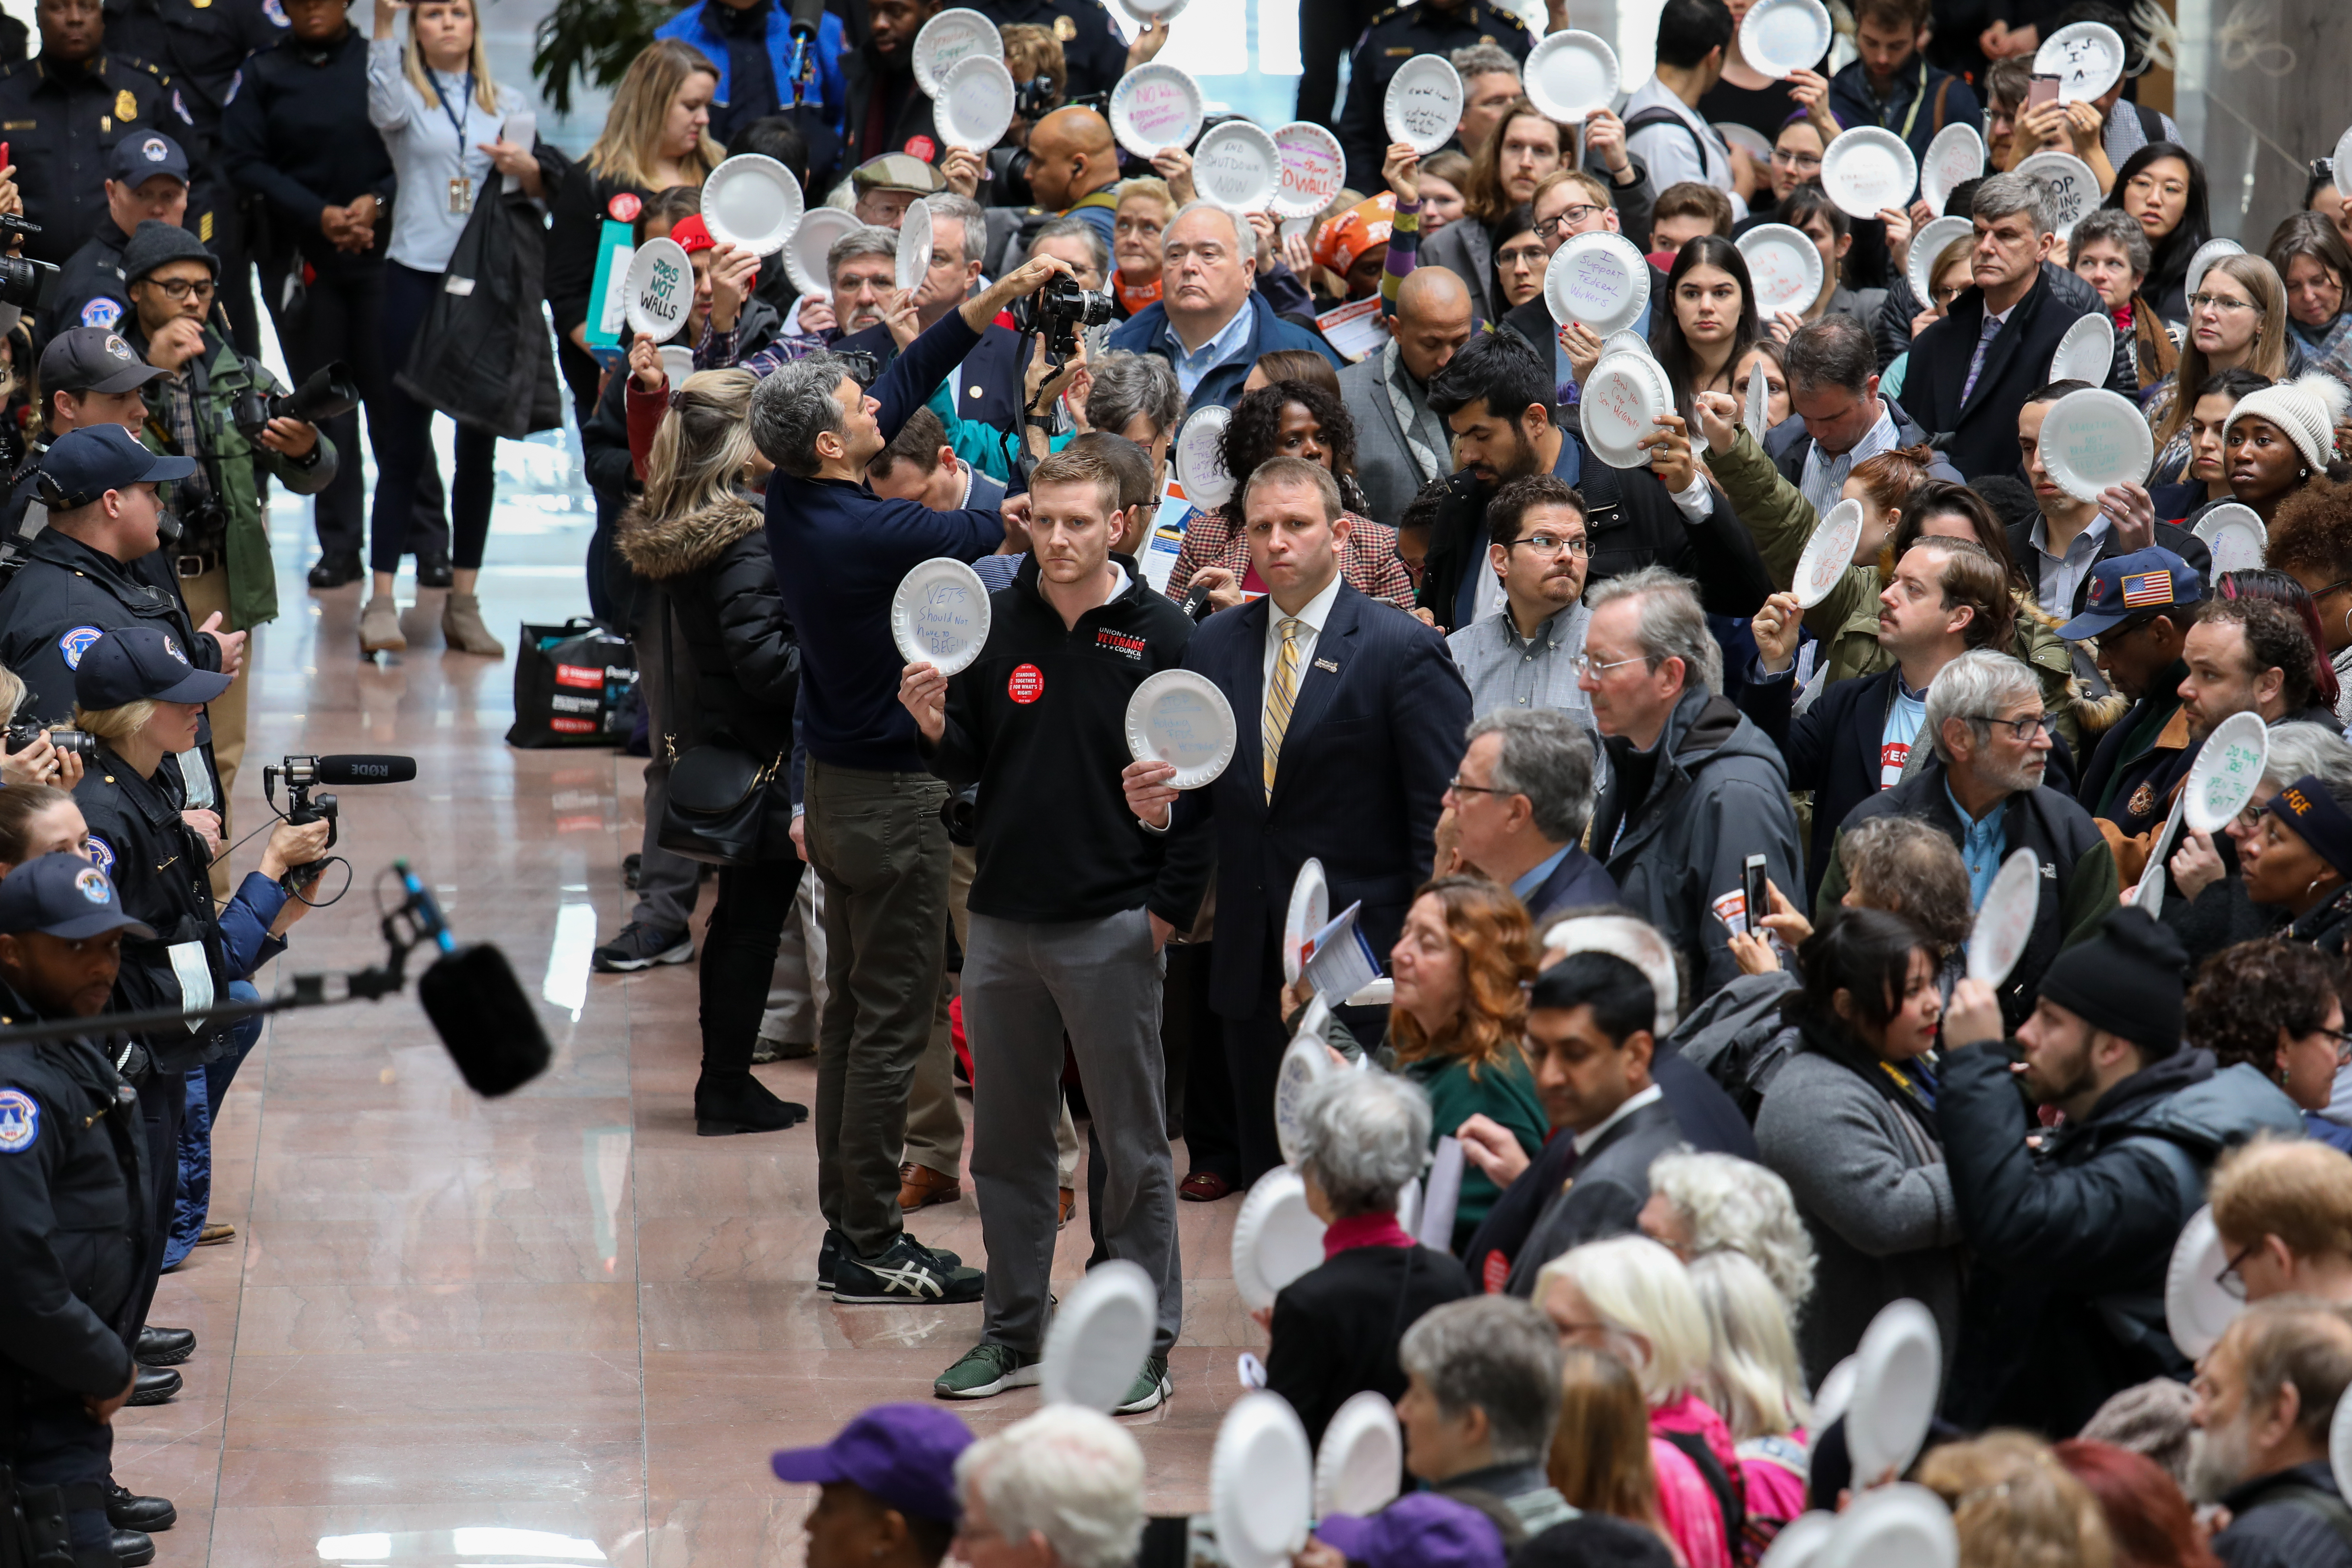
(1420, 1529)
(903, 1455)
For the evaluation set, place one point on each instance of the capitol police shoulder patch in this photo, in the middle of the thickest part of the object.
(102, 854)
(101, 312)
(77, 642)
(20, 1120)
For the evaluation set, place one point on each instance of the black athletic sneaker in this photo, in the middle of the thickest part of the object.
(641, 946)
(908, 1273)
(829, 1252)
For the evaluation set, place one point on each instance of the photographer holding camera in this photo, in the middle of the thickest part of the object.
(213, 407)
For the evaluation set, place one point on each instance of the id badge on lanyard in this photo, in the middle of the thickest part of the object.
(461, 196)
(461, 188)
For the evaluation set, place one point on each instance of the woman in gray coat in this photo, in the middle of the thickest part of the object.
(1850, 1124)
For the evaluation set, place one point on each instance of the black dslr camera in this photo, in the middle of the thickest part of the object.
(327, 392)
(19, 736)
(1058, 312)
(23, 280)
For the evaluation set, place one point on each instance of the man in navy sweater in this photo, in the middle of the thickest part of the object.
(875, 835)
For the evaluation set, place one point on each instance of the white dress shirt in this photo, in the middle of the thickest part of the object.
(1310, 619)
(1193, 365)
(1588, 1138)
(1823, 483)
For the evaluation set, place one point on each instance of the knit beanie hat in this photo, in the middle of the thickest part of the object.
(2307, 408)
(2127, 979)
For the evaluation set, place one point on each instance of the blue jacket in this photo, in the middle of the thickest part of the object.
(1910, 112)
(841, 551)
(687, 26)
(1147, 334)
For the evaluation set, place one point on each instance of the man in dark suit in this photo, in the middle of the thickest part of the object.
(1589, 1042)
(1838, 420)
(2058, 548)
(1349, 719)
(1972, 372)
(1521, 799)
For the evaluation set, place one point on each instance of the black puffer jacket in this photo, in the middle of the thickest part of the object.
(731, 621)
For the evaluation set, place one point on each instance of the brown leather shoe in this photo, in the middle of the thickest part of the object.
(1203, 1187)
(214, 1234)
(1069, 1207)
(920, 1187)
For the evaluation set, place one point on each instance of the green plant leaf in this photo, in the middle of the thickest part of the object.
(592, 41)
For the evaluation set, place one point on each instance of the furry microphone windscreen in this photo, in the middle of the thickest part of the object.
(479, 1011)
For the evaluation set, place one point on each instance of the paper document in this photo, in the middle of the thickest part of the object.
(1340, 961)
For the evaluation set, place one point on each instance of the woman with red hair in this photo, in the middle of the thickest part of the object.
(2148, 1520)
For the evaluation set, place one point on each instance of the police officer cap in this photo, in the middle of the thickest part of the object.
(63, 895)
(153, 244)
(92, 359)
(87, 463)
(138, 159)
(141, 664)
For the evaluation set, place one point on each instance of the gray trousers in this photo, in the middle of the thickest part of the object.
(796, 989)
(1024, 986)
(878, 842)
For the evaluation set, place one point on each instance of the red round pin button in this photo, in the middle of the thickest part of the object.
(1027, 685)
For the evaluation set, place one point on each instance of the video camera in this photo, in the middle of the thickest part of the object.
(23, 280)
(1058, 312)
(330, 392)
(303, 774)
(19, 736)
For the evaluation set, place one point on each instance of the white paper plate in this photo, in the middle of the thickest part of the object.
(1276, 1238)
(1899, 1365)
(1898, 1526)
(1756, 414)
(1621, 402)
(1144, 11)
(1626, 344)
(940, 614)
(1569, 75)
(2147, 893)
(1828, 553)
(2339, 1445)
(2197, 1310)
(1424, 103)
(753, 201)
(1199, 467)
(2234, 531)
(804, 255)
(1314, 169)
(1099, 1337)
(2086, 352)
(952, 36)
(1305, 1062)
(973, 108)
(2229, 766)
(2074, 189)
(2004, 921)
(2343, 156)
(1831, 1398)
(914, 245)
(1177, 716)
(1237, 167)
(1156, 106)
(1310, 912)
(1261, 1483)
(1599, 279)
(1955, 157)
(659, 289)
(2211, 251)
(1927, 245)
(1359, 1467)
(2095, 438)
(677, 363)
(1801, 1540)
(1777, 37)
(1868, 169)
(1783, 264)
(1758, 146)
(2087, 59)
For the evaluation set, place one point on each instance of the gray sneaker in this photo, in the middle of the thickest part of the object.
(985, 1370)
(1151, 1389)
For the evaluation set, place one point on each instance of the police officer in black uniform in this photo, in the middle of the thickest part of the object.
(62, 113)
(1395, 35)
(76, 1185)
(89, 375)
(146, 177)
(202, 45)
(1093, 48)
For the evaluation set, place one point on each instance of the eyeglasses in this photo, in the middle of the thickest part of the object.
(2023, 729)
(1456, 787)
(1521, 255)
(1565, 219)
(2233, 1284)
(2343, 1039)
(1946, 293)
(1553, 544)
(1582, 664)
(181, 287)
(1800, 162)
(2222, 302)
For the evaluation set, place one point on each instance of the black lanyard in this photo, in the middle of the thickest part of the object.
(457, 120)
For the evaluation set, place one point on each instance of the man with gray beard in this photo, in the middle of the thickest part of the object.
(2265, 1397)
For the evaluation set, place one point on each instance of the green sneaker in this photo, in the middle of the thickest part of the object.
(985, 1370)
(1151, 1389)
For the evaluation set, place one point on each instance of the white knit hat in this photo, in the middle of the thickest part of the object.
(2307, 408)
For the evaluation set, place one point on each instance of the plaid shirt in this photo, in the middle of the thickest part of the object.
(1369, 560)
(717, 351)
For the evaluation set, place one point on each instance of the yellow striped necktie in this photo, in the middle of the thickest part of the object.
(1279, 697)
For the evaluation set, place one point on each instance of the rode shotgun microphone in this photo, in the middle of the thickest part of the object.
(358, 768)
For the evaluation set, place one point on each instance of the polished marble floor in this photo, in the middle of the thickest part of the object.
(557, 1328)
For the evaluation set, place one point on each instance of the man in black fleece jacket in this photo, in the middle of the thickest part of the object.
(1072, 900)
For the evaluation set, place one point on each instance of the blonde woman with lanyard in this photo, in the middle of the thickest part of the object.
(440, 114)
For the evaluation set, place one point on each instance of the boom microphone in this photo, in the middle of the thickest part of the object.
(359, 768)
(807, 17)
(479, 1011)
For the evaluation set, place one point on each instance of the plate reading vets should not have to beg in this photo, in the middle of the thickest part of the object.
(1200, 463)
(1177, 716)
(940, 615)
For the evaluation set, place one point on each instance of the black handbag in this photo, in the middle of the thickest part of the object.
(717, 798)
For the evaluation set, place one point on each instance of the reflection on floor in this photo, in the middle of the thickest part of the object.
(558, 1328)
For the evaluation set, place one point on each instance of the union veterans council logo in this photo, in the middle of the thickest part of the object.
(77, 642)
(102, 853)
(93, 885)
(101, 312)
(20, 1120)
